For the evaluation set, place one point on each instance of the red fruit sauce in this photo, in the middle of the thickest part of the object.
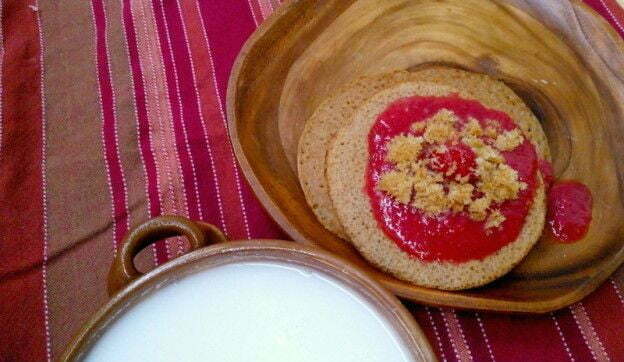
(569, 210)
(453, 237)
(458, 154)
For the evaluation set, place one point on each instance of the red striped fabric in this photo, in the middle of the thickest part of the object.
(116, 178)
(170, 101)
(141, 110)
(143, 126)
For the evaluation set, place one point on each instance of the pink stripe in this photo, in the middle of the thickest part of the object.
(44, 193)
(265, 8)
(116, 178)
(182, 142)
(275, 4)
(589, 333)
(174, 199)
(147, 155)
(603, 308)
(138, 131)
(255, 11)
(456, 334)
(449, 349)
(187, 94)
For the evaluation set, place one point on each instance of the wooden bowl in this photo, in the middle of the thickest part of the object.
(128, 287)
(564, 60)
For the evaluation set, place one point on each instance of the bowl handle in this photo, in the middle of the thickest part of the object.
(123, 271)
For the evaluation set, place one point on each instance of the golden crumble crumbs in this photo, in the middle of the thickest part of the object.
(495, 219)
(472, 128)
(500, 183)
(460, 195)
(493, 126)
(440, 128)
(414, 182)
(418, 126)
(404, 148)
(396, 184)
(490, 132)
(430, 198)
(509, 140)
(478, 208)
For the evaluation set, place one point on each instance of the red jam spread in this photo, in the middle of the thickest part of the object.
(457, 160)
(454, 233)
(569, 211)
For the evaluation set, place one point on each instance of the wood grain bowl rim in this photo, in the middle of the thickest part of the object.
(258, 250)
(431, 297)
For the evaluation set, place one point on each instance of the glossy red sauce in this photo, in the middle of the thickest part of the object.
(445, 237)
(458, 154)
(569, 210)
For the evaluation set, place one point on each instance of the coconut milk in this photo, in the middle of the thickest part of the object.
(251, 312)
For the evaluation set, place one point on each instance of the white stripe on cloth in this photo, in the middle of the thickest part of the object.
(44, 266)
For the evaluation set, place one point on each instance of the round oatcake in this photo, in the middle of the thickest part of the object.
(336, 111)
(320, 128)
(347, 161)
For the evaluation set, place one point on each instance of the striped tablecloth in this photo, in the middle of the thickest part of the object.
(112, 112)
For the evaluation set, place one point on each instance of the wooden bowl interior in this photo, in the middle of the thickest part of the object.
(551, 53)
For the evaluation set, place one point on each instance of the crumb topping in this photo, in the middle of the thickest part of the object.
(472, 128)
(404, 149)
(434, 184)
(418, 126)
(495, 219)
(396, 184)
(440, 128)
(509, 140)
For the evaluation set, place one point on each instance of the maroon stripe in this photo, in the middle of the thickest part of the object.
(147, 156)
(109, 126)
(22, 238)
(517, 338)
(228, 24)
(190, 111)
(20, 172)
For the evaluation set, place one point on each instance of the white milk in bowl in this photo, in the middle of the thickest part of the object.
(251, 311)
